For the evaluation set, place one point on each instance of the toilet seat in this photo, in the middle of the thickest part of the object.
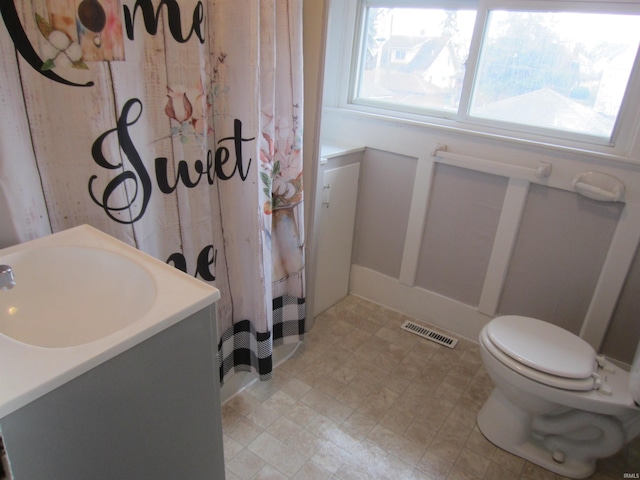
(542, 352)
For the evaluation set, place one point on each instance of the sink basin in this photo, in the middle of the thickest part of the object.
(66, 296)
(81, 298)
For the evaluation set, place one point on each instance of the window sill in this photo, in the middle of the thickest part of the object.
(598, 153)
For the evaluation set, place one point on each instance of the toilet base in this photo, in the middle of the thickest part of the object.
(508, 427)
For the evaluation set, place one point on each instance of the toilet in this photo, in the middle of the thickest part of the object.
(556, 402)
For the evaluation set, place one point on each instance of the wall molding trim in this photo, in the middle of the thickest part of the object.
(431, 308)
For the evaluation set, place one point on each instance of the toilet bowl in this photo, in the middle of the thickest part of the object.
(556, 403)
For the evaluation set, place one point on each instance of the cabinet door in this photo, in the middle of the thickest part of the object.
(337, 219)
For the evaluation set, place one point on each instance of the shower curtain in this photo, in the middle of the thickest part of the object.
(175, 126)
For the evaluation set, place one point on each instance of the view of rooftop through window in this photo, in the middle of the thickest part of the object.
(415, 57)
(566, 71)
(561, 71)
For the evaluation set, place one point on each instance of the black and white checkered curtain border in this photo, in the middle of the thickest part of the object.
(288, 320)
(241, 348)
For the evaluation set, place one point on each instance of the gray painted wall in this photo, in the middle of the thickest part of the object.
(561, 246)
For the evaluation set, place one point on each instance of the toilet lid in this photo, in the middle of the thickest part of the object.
(543, 346)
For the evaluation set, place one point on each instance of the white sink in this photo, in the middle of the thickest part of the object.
(66, 296)
(81, 298)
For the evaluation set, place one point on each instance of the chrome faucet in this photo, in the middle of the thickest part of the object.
(7, 280)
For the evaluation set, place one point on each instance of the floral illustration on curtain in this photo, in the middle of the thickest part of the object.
(281, 176)
(92, 31)
(57, 48)
(166, 145)
(191, 110)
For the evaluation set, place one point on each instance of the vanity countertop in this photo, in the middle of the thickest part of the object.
(29, 371)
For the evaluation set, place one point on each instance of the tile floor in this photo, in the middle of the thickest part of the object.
(363, 399)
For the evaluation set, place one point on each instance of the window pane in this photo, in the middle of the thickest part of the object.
(555, 70)
(414, 57)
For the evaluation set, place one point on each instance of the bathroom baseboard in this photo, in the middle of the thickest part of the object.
(429, 307)
(434, 309)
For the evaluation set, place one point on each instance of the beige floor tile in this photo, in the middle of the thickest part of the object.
(310, 375)
(364, 399)
(283, 429)
(244, 432)
(349, 471)
(508, 461)
(330, 457)
(322, 426)
(295, 388)
(231, 447)
(264, 415)
(449, 391)
(376, 343)
(306, 443)
(337, 411)
(477, 443)
(359, 425)
(472, 462)
(458, 473)
(434, 466)
(245, 464)
(458, 379)
(344, 375)
(497, 472)
(401, 447)
(243, 403)
(450, 440)
(229, 416)
(419, 434)
(317, 399)
(465, 412)
(311, 471)
(269, 473)
(364, 385)
(277, 454)
(292, 367)
(351, 397)
(386, 362)
(410, 403)
(446, 448)
(431, 376)
(229, 475)
(394, 468)
(395, 421)
(365, 352)
(263, 390)
(430, 418)
(330, 385)
(301, 414)
(397, 383)
(534, 472)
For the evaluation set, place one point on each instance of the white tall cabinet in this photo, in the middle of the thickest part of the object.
(336, 219)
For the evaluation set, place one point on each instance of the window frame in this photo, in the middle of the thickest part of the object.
(628, 120)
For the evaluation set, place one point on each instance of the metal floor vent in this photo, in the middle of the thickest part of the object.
(429, 334)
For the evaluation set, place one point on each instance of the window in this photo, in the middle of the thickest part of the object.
(551, 68)
(414, 58)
